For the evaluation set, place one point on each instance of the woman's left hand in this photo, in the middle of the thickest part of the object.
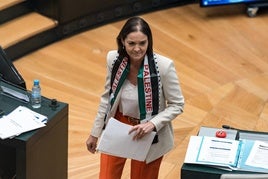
(141, 130)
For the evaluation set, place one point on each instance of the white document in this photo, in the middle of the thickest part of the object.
(227, 154)
(218, 150)
(116, 141)
(193, 149)
(212, 151)
(258, 156)
(19, 121)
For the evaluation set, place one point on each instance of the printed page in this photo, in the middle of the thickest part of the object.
(193, 149)
(115, 140)
(19, 121)
(213, 152)
(258, 156)
(219, 151)
(243, 155)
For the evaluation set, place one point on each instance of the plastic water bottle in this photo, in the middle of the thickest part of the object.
(36, 94)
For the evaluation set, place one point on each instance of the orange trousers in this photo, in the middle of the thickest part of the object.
(111, 167)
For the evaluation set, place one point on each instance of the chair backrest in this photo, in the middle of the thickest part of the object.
(244, 176)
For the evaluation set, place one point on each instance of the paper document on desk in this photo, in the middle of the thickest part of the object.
(116, 141)
(241, 155)
(212, 151)
(19, 121)
(254, 156)
(258, 156)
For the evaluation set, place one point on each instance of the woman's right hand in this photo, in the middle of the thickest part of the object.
(92, 144)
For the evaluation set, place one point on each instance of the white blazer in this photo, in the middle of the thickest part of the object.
(171, 105)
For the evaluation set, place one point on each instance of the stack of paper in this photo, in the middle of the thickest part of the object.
(21, 120)
(116, 141)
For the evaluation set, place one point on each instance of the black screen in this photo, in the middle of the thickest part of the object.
(206, 3)
(8, 71)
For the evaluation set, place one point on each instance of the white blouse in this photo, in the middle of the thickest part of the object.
(129, 103)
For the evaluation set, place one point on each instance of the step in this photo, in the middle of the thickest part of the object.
(4, 4)
(24, 27)
(11, 9)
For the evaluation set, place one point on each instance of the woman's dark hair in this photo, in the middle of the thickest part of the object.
(135, 24)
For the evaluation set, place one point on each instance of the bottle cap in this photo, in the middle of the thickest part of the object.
(36, 82)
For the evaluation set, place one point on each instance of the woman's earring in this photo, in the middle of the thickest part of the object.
(123, 47)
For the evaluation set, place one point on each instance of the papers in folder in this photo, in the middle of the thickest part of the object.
(242, 155)
(19, 121)
(116, 141)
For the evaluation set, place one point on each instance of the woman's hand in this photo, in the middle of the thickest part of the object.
(141, 130)
(92, 144)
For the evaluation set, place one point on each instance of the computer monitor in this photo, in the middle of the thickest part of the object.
(208, 3)
(8, 72)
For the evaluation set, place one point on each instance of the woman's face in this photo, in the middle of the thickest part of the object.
(136, 44)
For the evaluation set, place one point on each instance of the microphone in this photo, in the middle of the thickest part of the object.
(228, 127)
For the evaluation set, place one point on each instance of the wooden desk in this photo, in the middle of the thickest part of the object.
(38, 154)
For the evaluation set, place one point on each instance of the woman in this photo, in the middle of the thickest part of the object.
(142, 90)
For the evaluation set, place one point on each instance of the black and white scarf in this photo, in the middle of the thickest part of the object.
(148, 84)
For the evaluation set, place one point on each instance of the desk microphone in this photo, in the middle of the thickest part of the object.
(228, 127)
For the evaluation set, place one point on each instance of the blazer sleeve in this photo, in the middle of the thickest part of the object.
(172, 100)
(104, 99)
